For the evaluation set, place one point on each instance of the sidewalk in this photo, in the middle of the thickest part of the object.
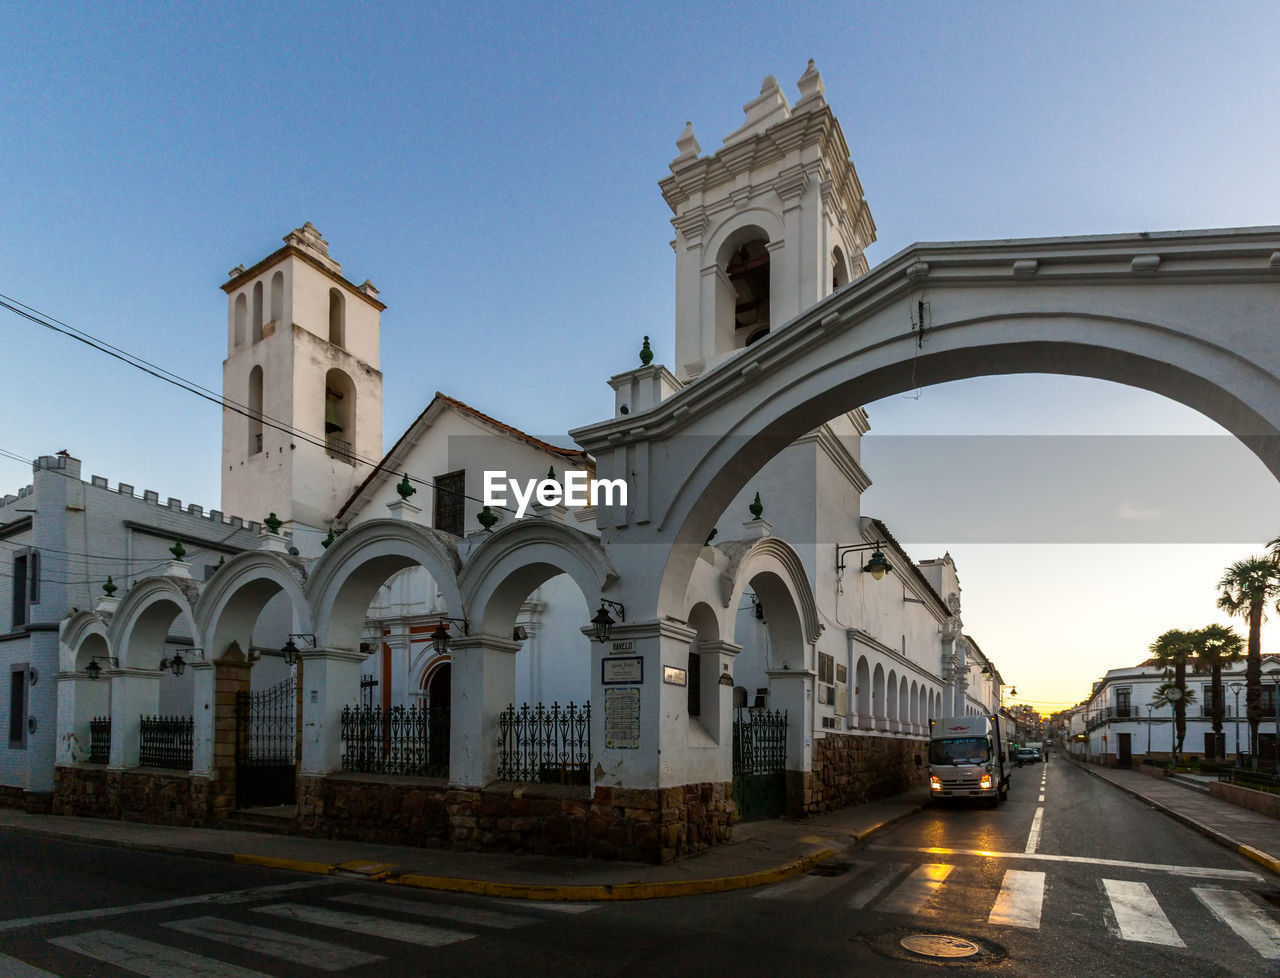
(1249, 833)
(761, 852)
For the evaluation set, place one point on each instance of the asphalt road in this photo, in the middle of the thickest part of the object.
(1087, 881)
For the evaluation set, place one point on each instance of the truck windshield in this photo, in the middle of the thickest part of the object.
(960, 750)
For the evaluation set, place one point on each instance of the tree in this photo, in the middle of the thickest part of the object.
(1216, 646)
(1168, 693)
(1172, 651)
(1245, 588)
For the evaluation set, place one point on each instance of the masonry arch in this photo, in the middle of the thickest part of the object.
(83, 640)
(231, 606)
(775, 573)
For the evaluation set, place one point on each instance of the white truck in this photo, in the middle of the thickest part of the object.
(970, 757)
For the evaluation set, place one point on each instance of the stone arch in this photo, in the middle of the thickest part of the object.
(879, 712)
(862, 693)
(913, 702)
(343, 581)
(746, 277)
(778, 564)
(839, 269)
(891, 699)
(83, 635)
(233, 600)
(904, 705)
(143, 621)
(513, 560)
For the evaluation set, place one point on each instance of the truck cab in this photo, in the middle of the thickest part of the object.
(970, 757)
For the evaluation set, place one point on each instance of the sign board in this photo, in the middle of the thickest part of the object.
(627, 671)
(622, 646)
(674, 676)
(622, 718)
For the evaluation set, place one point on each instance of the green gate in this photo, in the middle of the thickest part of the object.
(760, 763)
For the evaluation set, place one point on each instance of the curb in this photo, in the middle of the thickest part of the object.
(1249, 852)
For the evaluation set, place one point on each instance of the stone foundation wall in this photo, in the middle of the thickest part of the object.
(157, 797)
(1255, 801)
(654, 826)
(852, 769)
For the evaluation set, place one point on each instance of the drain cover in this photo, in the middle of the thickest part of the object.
(939, 946)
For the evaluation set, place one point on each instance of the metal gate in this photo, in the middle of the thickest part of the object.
(266, 730)
(760, 763)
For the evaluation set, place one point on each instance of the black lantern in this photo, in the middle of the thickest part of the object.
(440, 637)
(290, 651)
(93, 670)
(878, 566)
(177, 664)
(603, 621)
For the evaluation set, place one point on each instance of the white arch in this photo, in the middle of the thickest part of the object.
(513, 560)
(232, 600)
(83, 635)
(143, 620)
(345, 579)
(748, 559)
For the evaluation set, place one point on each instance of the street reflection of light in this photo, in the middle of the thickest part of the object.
(936, 871)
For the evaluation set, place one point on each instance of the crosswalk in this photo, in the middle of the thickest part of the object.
(187, 945)
(1128, 909)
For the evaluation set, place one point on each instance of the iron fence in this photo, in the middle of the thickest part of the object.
(412, 741)
(100, 740)
(166, 742)
(545, 744)
(1260, 780)
(759, 741)
(266, 724)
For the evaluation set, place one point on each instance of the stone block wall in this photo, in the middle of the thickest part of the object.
(653, 826)
(852, 769)
(159, 798)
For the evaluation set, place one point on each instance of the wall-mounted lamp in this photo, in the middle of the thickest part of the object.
(290, 651)
(177, 664)
(604, 622)
(519, 633)
(757, 608)
(440, 637)
(93, 670)
(877, 566)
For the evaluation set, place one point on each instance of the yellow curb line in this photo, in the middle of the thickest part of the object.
(271, 862)
(617, 891)
(1258, 856)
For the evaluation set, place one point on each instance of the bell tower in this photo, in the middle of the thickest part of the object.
(768, 225)
(302, 369)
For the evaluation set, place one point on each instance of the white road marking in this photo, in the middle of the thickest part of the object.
(145, 958)
(230, 896)
(869, 890)
(1033, 838)
(465, 915)
(1041, 798)
(276, 943)
(1020, 901)
(1243, 916)
(914, 894)
(393, 930)
(1198, 872)
(548, 905)
(1138, 915)
(13, 968)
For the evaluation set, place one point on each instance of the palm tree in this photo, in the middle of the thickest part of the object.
(1168, 693)
(1216, 646)
(1172, 651)
(1245, 589)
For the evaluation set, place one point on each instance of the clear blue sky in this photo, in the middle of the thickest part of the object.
(492, 168)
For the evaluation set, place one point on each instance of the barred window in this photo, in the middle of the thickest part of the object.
(18, 706)
(450, 499)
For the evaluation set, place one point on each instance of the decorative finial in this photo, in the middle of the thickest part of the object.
(327, 540)
(756, 507)
(404, 488)
(487, 518)
(178, 550)
(687, 143)
(551, 472)
(273, 523)
(646, 354)
(110, 587)
(221, 561)
(710, 536)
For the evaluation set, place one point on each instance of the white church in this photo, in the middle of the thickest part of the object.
(395, 659)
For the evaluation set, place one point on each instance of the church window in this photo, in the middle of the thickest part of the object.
(839, 269)
(241, 319)
(339, 415)
(277, 297)
(337, 318)
(748, 272)
(257, 312)
(255, 410)
(450, 502)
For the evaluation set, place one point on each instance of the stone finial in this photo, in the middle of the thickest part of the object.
(238, 270)
(178, 550)
(405, 488)
(110, 587)
(756, 507)
(368, 288)
(273, 523)
(307, 238)
(770, 84)
(646, 354)
(687, 143)
(811, 87)
(487, 518)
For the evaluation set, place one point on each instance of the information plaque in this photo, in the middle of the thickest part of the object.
(622, 718)
(628, 671)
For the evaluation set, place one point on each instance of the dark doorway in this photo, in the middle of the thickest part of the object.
(1125, 749)
(266, 728)
(439, 693)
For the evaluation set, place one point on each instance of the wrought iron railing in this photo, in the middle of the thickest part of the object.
(266, 723)
(545, 744)
(100, 740)
(166, 742)
(412, 741)
(1259, 780)
(759, 741)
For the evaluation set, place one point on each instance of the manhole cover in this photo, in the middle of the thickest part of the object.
(939, 946)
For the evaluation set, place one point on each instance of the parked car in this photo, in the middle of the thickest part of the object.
(1026, 755)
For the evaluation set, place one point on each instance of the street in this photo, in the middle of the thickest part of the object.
(1069, 877)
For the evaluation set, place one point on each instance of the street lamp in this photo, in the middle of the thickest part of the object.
(290, 651)
(603, 621)
(1149, 707)
(177, 664)
(440, 637)
(877, 566)
(1235, 688)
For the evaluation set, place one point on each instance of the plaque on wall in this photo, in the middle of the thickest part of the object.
(674, 676)
(622, 718)
(622, 646)
(628, 671)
